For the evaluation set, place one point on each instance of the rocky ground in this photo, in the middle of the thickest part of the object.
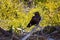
(55, 35)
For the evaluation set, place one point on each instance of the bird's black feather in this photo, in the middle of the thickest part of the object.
(35, 19)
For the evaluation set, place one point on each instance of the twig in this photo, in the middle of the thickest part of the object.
(30, 33)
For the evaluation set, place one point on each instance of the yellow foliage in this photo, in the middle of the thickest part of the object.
(11, 12)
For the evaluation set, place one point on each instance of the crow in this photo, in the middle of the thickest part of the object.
(35, 20)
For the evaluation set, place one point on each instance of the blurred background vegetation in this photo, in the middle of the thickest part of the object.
(18, 13)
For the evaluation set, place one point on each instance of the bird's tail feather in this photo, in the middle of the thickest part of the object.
(29, 25)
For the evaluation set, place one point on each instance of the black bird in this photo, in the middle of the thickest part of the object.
(35, 19)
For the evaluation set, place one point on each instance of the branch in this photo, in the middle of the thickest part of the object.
(30, 33)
